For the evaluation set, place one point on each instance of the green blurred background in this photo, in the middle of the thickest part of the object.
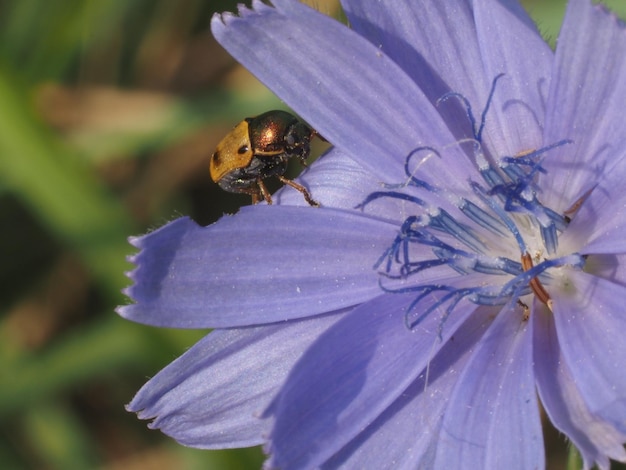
(109, 110)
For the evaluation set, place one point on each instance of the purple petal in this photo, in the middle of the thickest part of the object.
(510, 44)
(440, 39)
(213, 395)
(599, 226)
(372, 110)
(407, 432)
(588, 320)
(439, 56)
(336, 181)
(586, 103)
(596, 439)
(351, 375)
(609, 267)
(493, 417)
(267, 264)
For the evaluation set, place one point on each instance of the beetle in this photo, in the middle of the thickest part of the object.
(259, 148)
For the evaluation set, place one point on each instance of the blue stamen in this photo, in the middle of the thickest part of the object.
(412, 180)
(409, 269)
(483, 116)
(468, 107)
(455, 296)
(393, 252)
(482, 218)
(391, 194)
(492, 177)
(508, 199)
(466, 103)
(550, 238)
(500, 212)
(498, 266)
(444, 222)
(524, 278)
(557, 219)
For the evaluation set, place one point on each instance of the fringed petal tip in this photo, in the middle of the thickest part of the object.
(155, 249)
(132, 408)
(187, 276)
(128, 292)
(121, 310)
(131, 274)
(144, 411)
(221, 19)
(126, 311)
(135, 241)
(617, 21)
(226, 18)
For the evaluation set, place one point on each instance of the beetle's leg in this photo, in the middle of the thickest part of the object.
(264, 192)
(305, 155)
(302, 189)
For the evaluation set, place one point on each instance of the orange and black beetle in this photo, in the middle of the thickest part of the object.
(258, 148)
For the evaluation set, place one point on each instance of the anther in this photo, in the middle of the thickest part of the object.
(571, 212)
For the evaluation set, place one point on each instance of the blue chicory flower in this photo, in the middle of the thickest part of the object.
(468, 262)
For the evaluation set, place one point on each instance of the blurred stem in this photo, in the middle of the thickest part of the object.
(58, 438)
(60, 188)
(574, 462)
(112, 343)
